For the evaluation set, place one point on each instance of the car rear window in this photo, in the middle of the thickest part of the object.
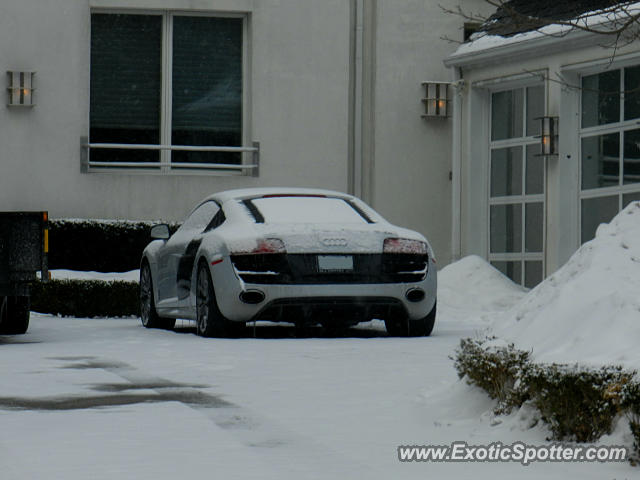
(301, 209)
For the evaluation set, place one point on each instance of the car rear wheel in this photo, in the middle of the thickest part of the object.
(148, 314)
(403, 327)
(14, 315)
(209, 320)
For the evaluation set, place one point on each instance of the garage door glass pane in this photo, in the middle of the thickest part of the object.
(534, 177)
(596, 211)
(535, 109)
(534, 227)
(506, 114)
(506, 171)
(506, 228)
(631, 157)
(631, 93)
(125, 84)
(532, 274)
(600, 161)
(513, 270)
(207, 87)
(630, 197)
(601, 99)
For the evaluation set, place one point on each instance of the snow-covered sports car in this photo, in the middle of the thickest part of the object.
(305, 256)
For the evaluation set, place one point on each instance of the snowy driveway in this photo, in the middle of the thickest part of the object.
(107, 399)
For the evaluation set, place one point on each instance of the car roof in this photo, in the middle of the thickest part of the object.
(244, 193)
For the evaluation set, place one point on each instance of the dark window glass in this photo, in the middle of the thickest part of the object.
(532, 274)
(601, 99)
(513, 270)
(631, 93)
(601, 161)
(534, 227)
(630, 197)
(534, 175)
(507, 109)
(506, 228)
(125, 85)
(596, 211)
(207, 87)
(506, 171)
(535, 109)
(631, 167)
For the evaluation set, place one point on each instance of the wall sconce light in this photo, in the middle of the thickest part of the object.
(20, 89)
(436, 103)
(549, 136)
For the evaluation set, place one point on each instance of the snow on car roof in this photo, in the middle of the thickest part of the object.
(239, 194)
(307, 209)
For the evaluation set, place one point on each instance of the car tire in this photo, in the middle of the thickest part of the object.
(148, 314)
(14, 312)
(209, 320)
(404, 327)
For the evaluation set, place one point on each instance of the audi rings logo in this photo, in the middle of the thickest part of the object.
(334, 242)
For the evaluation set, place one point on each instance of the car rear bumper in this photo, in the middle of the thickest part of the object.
(281, 302)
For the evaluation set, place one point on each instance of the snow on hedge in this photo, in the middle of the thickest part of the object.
(589, 310)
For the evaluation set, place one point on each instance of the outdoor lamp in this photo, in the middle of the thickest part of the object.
(20, 89)
(549, 136)
(436, 103)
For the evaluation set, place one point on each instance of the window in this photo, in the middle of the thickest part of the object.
(610, 146)
(166, 79)
(517, 185)
(201, 217)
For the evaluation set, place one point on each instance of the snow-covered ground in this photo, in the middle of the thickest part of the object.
(107, 399)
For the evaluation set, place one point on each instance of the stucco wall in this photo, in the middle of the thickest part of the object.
(299, 78)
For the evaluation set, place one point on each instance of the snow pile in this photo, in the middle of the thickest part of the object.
(61, 274)
(473, 285)
(589, 310)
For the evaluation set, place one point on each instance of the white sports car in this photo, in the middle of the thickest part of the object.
(305, 256)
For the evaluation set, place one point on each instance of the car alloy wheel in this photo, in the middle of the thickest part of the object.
(146, 295)
(203, 302)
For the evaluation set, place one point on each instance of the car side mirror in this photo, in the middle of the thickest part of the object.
(160, 232)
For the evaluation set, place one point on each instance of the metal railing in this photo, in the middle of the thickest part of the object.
(87, 165)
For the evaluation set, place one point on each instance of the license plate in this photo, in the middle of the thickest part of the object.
(335, 263)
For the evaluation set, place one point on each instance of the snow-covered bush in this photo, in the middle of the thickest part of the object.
(577, 403)
(497, 370)
(86, 298)
(98, 245)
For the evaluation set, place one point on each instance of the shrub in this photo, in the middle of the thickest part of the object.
(98, 245)
(577, 403)
(85, 298)
(497, 370)
(631, 403)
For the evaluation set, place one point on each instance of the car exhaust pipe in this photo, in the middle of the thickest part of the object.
(252, 297)
(415, 295)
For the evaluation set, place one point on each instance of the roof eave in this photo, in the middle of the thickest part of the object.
(536, 46)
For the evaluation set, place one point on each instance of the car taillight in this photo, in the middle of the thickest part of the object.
(404, 245)
(269, 245)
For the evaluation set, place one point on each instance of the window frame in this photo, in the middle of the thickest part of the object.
(620, 127)
(250, 150)
(523, 199)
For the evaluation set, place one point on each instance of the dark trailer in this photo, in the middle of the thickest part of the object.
(24, 244)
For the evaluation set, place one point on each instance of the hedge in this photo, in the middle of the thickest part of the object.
(577, 403)
(98, 245)
(86, 298)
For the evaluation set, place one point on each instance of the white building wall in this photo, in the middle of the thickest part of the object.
(299, 77)
(412, 155)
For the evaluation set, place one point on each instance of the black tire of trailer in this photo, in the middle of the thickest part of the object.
(14, 315)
